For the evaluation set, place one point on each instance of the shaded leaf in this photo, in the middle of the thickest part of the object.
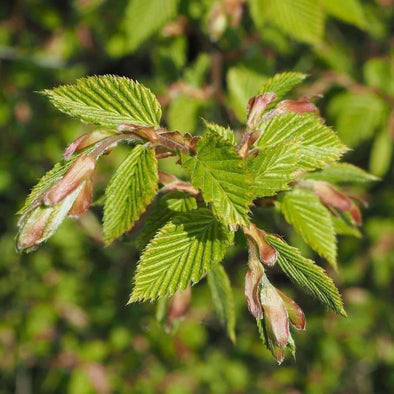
(305, 212)
(129, 192)
(188, 246)
(225, 133)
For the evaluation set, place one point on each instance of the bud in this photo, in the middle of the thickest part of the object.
(77, 174)
(267, 252)
(252, 281)
(84, 198)
(84, 141)
(179, 304)
(296, 106)
(256, 107)
(296, 315)
(334, 198)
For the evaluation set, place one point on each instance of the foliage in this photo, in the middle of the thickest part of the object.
(64, 325)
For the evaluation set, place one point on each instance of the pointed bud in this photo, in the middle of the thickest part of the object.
(81, 169)
(267, 252)
(332, 197)
(84, 199)
(252, 280)
(296, 315)
(256, 107)
(296, 106)
(84, 141)
(275, 314)
(179, 304)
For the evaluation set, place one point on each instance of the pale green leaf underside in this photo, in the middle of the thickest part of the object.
(307, 275)
(341, 173)
(169, 205)
(107, 100)
(273, 168)
(281, 84)
(219, 173)
(129, 192)
(305, 212)
(301, 19)
(223, 132)
(222, 298)
(143, 18)
(319, 144)
(182, 251)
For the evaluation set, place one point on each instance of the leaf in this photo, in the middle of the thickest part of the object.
(357, 115)
(305, 212)
(195, 75)
(129, 192)
(188, 246)
(169, 205)
(319, 144)
(107, 100)
(223, 132)
(219, 172)
(349, 11)
(381, 153)
(222, 298)
(281, 84)
(341, 173)
(343, 225)
(273, 168)
(243, 83)
(307, 275)
(302, 19)
(143, 18)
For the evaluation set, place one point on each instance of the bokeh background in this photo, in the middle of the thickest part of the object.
(64, 323)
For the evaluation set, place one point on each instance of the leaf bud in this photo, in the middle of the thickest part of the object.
(256, 107)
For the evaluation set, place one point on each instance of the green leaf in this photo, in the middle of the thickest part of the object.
(222, 298)
(357, 115)
(343, 225)
(195, 75)
(349, 11)
(381, 153)
(281, 84)
(182, 251)
(305, 212)
(143, 18)
(223, 132)
(341, 173)
(129, 192)
(273, 168)
(243, 83)
(169, 205)
(301, 19)
(219, 172)
(307, 275)
(107, 100)
(319, 144)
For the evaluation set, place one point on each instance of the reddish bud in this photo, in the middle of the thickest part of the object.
(296, 315)
(179, 304)
(275, 314)
(296, 106)
(84, 199)
(256, 107)
(356, 214)
(84, 141)
(81, 169)
(267, 252)
(252, 280)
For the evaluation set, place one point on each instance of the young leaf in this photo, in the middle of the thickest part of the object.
(225, 133)
(319, 144)
(107, 100)
(281, 84)
(301, 19)
(305, 212)
(169, 205)
(273, 168)
(342, 225)
(129, 192)
(219, 172)
(189, 245)
(222, 298)
(341, 173)
(307, 275)
(349, 11)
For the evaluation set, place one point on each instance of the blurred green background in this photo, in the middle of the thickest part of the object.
(64, 323)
